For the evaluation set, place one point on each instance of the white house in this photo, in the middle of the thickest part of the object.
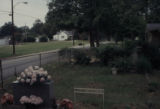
(63, 35)
(4, 41)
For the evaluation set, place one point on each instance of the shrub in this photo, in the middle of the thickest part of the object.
(109, 53)
(81, 57)
(129, 47)
(143, 65)
(43, 39)
(151, 52)
(123, 65)
(29, 39)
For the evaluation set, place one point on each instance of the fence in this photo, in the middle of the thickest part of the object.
(13, 66)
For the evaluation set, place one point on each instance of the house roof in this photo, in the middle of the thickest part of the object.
(153, 27)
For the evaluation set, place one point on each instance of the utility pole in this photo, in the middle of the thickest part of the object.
(13, 37)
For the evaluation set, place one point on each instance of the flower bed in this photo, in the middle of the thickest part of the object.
(33, 75)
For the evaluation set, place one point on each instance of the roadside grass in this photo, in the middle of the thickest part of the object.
(121, 91)
(28, 48)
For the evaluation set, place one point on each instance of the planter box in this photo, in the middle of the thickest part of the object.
(44, 90)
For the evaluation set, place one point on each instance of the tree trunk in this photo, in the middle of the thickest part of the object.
(91, 39)
(97, 39)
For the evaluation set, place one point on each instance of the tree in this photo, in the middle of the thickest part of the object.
(118, 18)
(6, 30)
(37, 27)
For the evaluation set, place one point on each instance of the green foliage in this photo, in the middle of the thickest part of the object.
(151, 52)
(123, 65)
(153, 86)
(129, 46)
(29, 39)
(43, 39)
(109, 53)
(143, 65)
(81, 57)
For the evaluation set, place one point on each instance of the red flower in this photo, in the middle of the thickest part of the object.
(66, 104)
(7, 99)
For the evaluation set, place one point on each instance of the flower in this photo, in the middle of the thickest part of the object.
(45, 73)
(7, 99)
(33, 74)
(28, 80)
(29, 74)
(24, 99)
(49, 77)
(32, 100)
(22, 80)
(42, 79)
(26, 70)
(23, 75)
(36, 67)
(18, 78)
(41, 69)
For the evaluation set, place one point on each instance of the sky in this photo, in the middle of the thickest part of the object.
(25, 14)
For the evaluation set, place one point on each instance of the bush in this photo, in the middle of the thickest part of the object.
(109, 54)
(151, 52)
(81, 57)
(143, 65)
(43, 39)
(129, 47)
(123, 65)
(29, 39)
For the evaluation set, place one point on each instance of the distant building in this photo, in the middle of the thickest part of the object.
(4, 41)
(63, 35)
(153, 33)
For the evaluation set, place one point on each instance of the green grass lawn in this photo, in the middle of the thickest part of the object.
(127, 91)
(27, 48)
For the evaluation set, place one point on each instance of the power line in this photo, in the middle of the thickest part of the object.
(8, 12)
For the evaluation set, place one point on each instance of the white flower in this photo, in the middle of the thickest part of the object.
(22, 80)
(41, 69)
(28, 80)
(30, 68)
(45, 73)
(42, 79)
(36, 67)
(35, 100)
(23, 75)
(24, 99)
(40, 73)
(49, 77)
(29, 74)
(26, 70)
(34, 79)
(34, 75)
(18, 78)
